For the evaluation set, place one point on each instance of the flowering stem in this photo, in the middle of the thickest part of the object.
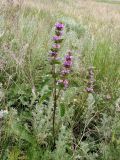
(54, 57)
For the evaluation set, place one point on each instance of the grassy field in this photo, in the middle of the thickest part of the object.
(110, 1)
(87, 124)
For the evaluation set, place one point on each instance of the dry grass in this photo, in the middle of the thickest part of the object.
(92, 32)
(102, 19)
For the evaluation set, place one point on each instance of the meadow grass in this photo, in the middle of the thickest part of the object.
(102, 24)
(92, 32)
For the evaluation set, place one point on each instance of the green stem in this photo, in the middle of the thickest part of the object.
(54, 106)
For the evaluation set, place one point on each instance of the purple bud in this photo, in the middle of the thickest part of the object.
(57, 38)
(68, 57)
(65, 72)
(67, 64)
(53, 54)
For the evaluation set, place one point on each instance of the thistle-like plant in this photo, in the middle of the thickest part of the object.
(59, 79)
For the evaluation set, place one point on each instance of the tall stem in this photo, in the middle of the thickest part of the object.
(54, 105)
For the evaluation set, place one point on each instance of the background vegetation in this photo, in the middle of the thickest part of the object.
(87, 125)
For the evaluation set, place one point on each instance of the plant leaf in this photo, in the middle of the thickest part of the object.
(62, 110)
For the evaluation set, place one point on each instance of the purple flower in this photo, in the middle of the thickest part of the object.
(68, 60)
(68, 57)
(59, 26)
(67, 64)
(65, 72)
(57, 38)
(53, 54)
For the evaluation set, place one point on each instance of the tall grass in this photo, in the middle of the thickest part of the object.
(87, 125)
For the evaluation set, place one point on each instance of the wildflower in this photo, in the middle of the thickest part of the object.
(65, 72)
(63, 82)
(59, 26)
(68, 60)
(57, 38)
(67, 64)
(69, 56)
(53, 54)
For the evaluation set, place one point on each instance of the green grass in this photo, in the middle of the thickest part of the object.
(89, 122)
